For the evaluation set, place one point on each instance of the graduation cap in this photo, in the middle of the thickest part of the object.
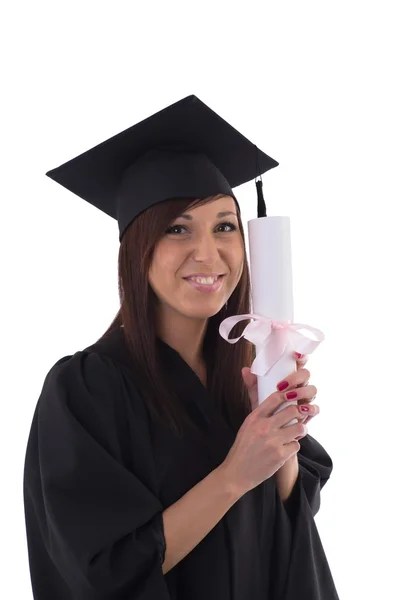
(183, 151)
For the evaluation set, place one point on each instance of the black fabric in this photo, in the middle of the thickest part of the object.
(183, 151)
(99, 473)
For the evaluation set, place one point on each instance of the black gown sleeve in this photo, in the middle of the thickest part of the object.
(100, 521)
(315, 468)
(299, 550)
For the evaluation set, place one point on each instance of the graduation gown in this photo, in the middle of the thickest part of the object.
(99, 472)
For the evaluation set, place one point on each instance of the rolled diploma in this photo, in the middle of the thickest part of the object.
(272, 291)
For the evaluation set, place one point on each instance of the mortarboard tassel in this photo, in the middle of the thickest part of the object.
(261, 209)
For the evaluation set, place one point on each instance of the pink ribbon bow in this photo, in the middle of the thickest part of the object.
(272, 346)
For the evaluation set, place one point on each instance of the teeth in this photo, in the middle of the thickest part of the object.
(204, 280)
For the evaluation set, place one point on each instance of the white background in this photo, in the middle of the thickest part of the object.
(313, 84)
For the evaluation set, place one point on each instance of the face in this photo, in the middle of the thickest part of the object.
(198, 242)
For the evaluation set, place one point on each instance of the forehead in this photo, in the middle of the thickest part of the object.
(213, 207)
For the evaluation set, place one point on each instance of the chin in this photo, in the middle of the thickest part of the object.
(202, 312)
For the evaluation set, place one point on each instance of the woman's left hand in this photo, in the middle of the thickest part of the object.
(250, 381)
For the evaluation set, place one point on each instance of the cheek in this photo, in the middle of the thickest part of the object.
(163, 265)
(239, 263)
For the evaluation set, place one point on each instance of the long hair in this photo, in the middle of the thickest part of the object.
(137, 314)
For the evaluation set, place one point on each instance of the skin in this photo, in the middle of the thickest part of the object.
(298, 379)
(201, 245)
(287, 475)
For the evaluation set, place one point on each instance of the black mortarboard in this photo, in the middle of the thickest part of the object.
(183, 151)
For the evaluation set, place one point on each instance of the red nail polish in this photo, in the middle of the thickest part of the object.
(291, 395)
(304, 408)
(282, 386)
(298, 355)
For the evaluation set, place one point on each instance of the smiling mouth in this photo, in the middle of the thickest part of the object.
(192, 279)
(205, 287)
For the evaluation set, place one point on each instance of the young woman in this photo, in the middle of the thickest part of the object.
(152, 472)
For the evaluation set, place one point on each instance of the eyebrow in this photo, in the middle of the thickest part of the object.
(219, 215)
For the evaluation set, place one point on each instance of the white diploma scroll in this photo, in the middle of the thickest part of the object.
(272, 330)
(272, 292)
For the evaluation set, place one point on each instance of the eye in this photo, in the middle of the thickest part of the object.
(226, 223)
(231, 225)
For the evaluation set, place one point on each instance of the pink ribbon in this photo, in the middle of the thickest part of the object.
(271, 347)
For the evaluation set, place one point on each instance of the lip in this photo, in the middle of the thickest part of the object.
(204, 275)
(206, 289)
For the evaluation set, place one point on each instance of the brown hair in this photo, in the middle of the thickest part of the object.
(224, 361)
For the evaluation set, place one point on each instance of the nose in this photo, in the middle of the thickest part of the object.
(206, 249)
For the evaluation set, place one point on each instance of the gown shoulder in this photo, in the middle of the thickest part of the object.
(93, 519)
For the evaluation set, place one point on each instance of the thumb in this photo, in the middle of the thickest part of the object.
(249, 378)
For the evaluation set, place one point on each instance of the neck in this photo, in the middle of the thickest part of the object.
(186, 336)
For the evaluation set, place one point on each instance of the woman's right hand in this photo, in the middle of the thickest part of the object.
(262, 444)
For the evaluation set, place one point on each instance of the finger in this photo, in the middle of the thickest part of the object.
(250, 378)
(299, 366)
(306, 393)
(298, 378)
(313, 410)
(306, 400)
(301, 363)
(301, 359)
(270, 405)
(308, 419)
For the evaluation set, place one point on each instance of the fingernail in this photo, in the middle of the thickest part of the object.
(291, 395)
(298, 355)
(304, 408)
(282, 385)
